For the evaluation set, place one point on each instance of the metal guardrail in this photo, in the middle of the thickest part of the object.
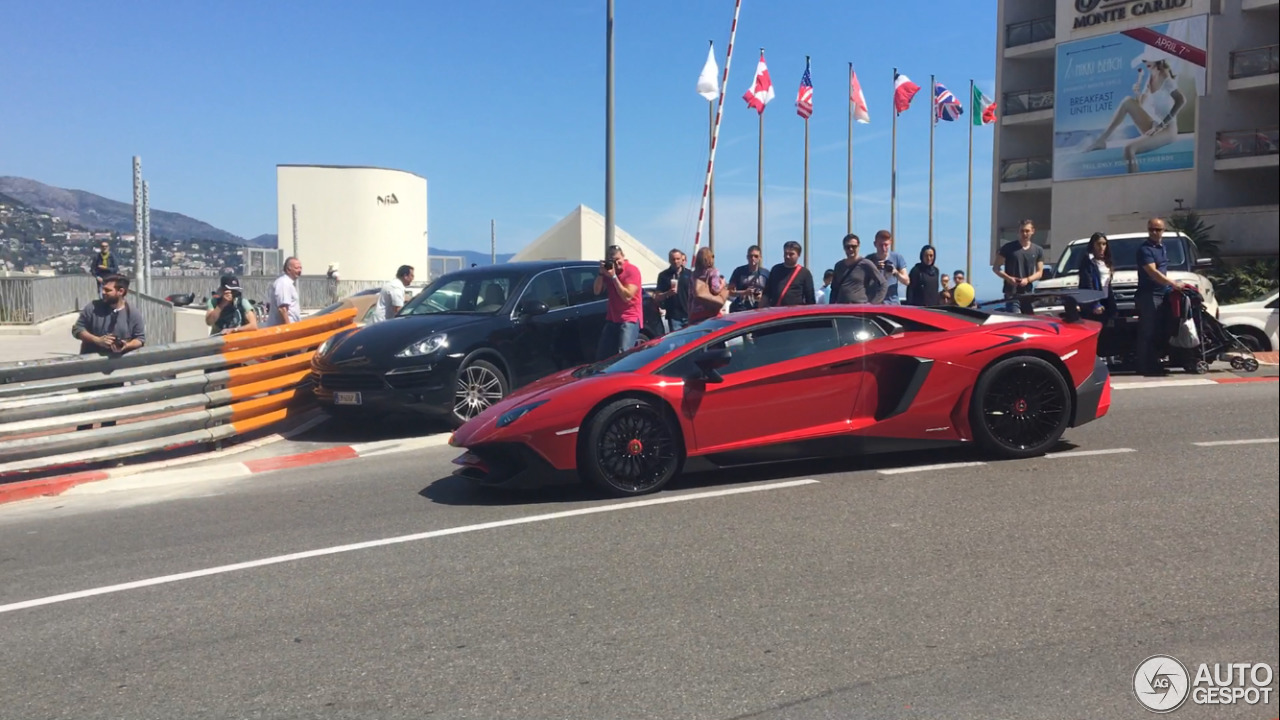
(1247, 143)
(1024, 169)
(1030, 31)
(158, 398)
(31, 300)
(1026, 101)
(1258, 61)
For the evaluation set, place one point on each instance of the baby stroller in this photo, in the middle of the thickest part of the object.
(1197, 338)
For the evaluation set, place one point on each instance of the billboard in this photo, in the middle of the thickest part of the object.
(1126, 102)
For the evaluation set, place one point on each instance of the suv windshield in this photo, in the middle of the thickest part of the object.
(1124, 254)
(642, 355)
(470, 293)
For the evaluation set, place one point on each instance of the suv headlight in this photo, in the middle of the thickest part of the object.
(425, 346)
(515, 414)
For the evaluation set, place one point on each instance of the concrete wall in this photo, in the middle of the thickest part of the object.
(369, 220)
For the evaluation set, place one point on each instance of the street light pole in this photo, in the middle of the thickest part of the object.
(608, 137)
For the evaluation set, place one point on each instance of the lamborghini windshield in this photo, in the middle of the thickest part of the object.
(641, 355)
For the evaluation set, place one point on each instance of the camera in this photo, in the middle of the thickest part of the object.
(609, 265)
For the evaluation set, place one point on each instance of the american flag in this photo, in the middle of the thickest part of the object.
(804, 98)
(949, 107)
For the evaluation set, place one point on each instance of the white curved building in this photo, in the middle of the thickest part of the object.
(367, 220)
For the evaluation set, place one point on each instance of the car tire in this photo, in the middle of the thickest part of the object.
(630, 447)
(479, 385)
(1021, 406)
(1251, 338)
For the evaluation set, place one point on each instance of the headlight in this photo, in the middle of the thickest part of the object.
(426, 346)
(326, 346)
(515, 414)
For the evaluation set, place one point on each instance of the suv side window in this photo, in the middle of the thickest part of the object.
(580, 281)
(548, 289)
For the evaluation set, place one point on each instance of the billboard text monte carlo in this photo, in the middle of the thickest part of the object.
(1090, 13)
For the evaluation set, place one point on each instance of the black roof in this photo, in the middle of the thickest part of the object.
(525, 267)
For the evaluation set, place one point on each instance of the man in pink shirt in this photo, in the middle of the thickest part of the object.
(620, 281)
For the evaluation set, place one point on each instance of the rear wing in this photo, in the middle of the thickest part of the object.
(1068, 299)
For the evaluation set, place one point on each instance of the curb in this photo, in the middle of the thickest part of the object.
(161, 473)
(1188, 382)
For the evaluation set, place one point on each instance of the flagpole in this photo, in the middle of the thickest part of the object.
(849, 185)
(715, 131)
(608, 141)
(933, 124)
(711, 181)
(760, 181)
(806, 179)
(968, 257)
(893, 171)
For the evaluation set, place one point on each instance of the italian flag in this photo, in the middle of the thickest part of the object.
(984, 110)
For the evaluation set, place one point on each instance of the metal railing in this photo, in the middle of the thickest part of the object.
(314, 291)
(1030, 31)
(1247, 143)
(1024, 169)
(1025, 101)
(157, 318)
(1258, 61)
(157, 399)
(31, 300)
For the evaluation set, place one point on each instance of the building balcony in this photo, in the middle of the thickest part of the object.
(1247, 5)
(1026, 174)
(1031, 38)
(1256, 68)
(1025, 107)
(1247, 149)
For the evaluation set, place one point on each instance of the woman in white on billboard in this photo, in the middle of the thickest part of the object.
(1153, 107)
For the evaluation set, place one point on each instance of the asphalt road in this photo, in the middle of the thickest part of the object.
(1029, 589)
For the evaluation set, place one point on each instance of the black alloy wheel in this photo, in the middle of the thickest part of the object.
(631, 447)
(1020, 408)
(480, 385)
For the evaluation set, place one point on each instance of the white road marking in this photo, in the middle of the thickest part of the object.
(306, 555)
(926, 468)
(1161, 383)
(1220, 443)
(1088, 453)
(383, 447)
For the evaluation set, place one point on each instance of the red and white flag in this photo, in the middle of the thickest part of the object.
(859, 103)
(903, 91)
(804, 98)
(761, 91)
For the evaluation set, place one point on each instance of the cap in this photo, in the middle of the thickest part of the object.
(230, 282)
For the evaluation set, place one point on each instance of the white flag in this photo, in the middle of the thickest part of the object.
(708, 81)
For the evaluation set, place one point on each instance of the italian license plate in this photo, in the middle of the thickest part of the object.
(346, 398)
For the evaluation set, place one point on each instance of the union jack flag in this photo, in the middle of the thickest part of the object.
(948, 107)
(804, 98)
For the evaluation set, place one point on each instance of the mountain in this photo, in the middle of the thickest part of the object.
(470, 256)
(95, 212)
(263, 241)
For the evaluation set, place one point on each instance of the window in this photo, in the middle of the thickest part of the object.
(462, 294)
(779, 343)
(854, 330)
(548, 289)
(581, 281)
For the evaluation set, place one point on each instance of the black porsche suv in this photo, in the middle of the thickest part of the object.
(467, 340)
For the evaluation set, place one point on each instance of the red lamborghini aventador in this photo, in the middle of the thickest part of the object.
(790, 383)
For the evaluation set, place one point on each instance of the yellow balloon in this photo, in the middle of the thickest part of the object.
(963, 295)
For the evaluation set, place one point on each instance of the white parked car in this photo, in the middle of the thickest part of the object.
(1253, 322)
(1185, 266)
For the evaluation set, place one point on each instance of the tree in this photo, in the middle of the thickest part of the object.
(1192, 225)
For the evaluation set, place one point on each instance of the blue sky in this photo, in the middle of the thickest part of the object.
(500, 105)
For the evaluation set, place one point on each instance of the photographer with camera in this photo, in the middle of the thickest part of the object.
(227, 311)
(892, 265)
(109, 326)
(620, 281)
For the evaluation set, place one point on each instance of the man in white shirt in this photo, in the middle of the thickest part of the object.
(286, 306)
(391, 299)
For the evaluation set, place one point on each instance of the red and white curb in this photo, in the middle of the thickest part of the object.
(164, 473)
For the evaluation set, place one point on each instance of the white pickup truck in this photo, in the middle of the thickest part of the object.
(1185, 266)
